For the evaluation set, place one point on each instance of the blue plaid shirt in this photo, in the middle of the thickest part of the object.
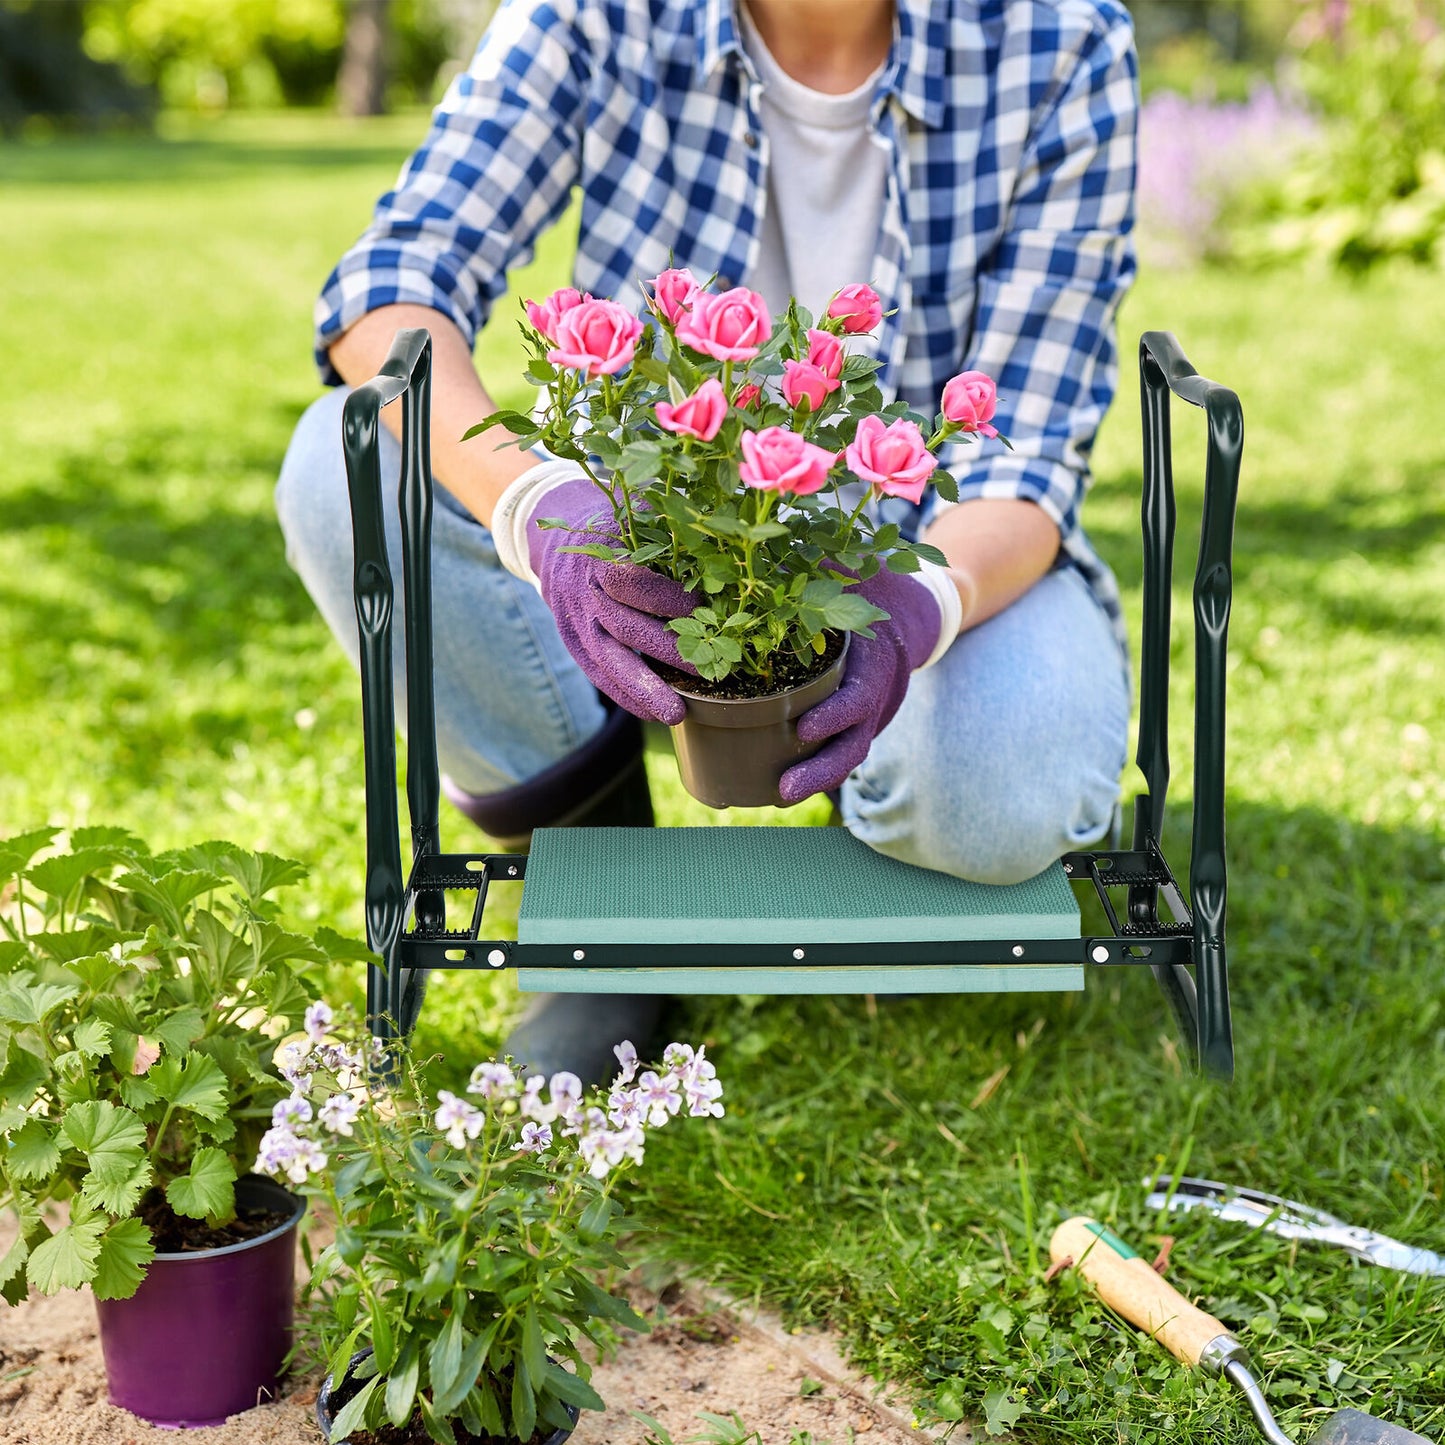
(1005, 241)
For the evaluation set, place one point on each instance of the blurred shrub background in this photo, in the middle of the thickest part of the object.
(1273, 130)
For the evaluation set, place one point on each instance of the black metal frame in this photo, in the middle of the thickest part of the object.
(1170, 947)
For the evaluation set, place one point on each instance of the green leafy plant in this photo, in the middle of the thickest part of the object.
(1374, 188)
(737, 453)
(141, 999)
(468, 1235)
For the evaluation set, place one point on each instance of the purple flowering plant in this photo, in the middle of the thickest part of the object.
(470, 1228)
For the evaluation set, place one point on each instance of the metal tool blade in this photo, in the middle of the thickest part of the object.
(1353, 1427)
(1292, 1220)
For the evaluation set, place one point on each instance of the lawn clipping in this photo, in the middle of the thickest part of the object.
(699, 1358)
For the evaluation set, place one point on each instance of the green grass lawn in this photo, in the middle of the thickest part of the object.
(895, 1170)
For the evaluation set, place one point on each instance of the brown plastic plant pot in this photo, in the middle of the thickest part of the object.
(731, 752)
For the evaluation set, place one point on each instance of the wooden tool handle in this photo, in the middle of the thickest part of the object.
(1128, 1284)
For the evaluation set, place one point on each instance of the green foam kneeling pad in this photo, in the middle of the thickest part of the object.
(727, 886)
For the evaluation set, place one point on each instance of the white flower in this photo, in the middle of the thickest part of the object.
(530, 1104)
(339, 1113)
(535, 1138)
(346, 1064)
(627, 1057)
(678, 1059)
(318, 1020)
(294, 1110)
(493, 1081)
(624, 1107)
(294, 1060)
(308, 1159)
(702, 1096)
(277, 1149)
(458, 1119)
(660, 1097)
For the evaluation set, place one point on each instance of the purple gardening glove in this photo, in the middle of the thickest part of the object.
(873, 684)
(608, 612)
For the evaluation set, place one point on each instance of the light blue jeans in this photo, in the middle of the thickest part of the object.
(1005, 754)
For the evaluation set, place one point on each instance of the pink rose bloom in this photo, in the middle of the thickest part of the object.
(598, 337)
(778, 460)
(858, 307)
(894, 457)
(730, 327)
(700, 415)
(748, 393)
(544, 318)
(969, 400)
(802, 381)
(672, 294)
(825, 351)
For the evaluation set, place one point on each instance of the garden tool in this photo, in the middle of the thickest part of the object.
(1292, 1220)
(1128, 1284)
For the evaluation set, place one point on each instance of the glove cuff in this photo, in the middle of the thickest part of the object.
(515, 509)
(950, 606)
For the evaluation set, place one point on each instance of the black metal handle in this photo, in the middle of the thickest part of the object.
(1164, 369)
(391, 994)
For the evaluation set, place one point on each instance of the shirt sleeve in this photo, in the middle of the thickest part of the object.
(1044, 326)
(496, 168)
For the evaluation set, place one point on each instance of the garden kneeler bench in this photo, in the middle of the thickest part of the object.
(708, 910)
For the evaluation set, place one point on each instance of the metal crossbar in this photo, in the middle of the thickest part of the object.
(407, 920)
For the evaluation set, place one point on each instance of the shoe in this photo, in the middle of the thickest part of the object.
(577, 1032)
(601, 784)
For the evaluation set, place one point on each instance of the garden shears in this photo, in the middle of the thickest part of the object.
(1291, 1220)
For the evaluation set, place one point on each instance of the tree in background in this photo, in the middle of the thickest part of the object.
(361, 81)
(45, 72)
(216, 54)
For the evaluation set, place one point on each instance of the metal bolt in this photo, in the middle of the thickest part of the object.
(1100, 954)
(511, 870)
(1068, 867)
(797, 953)
(1018, 950)
(496, 958)
(579, 954)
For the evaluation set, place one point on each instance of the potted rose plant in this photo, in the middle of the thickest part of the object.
(469, 1231)
(736, 453)
(140, 1000)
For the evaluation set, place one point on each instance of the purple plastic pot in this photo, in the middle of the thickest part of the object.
(207, 1333)
(330, 1402)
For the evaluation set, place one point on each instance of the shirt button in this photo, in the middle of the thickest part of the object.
(725, 283)
(750, 139)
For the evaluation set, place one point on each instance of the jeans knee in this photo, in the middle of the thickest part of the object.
(997, 835)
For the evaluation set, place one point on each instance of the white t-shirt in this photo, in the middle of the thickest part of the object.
(827, 178)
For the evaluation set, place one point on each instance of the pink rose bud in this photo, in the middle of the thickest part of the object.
(894, 457)
(858, 307)
(969, 400)
(802, 381)
(700, 415)
(825, 351)
(147, 1051)
(598, 337)
(729, 327)
(748, 393)
(544, 318)
(672, 294)
(778, 460)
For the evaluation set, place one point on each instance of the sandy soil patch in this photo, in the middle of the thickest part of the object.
(705, 1355)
